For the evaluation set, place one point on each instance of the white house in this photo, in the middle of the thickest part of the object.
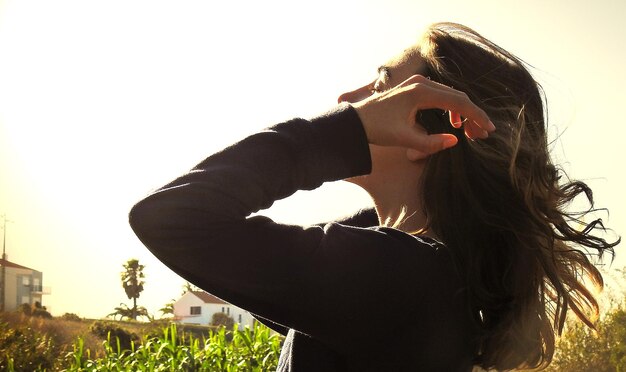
(198, 307)
(19, 285)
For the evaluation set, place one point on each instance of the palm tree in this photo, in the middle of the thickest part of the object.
(132, 281)
(168, 308)
(123, 311)
(188, 287)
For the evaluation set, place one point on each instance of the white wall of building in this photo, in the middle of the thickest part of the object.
(182, 311)
(240, 316)
(11, 300)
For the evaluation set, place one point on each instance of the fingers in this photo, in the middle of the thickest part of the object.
(433, 143)
(455, 119)
(431, 94)
(389, 117)
(472, 130)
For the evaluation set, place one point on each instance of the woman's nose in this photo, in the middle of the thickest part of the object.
(355, 95)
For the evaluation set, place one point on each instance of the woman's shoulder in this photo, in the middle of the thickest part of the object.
(430, 244)
(416, 259)
(380, 245)
(367, 218)
(383, 236)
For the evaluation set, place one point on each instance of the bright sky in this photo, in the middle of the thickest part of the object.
(102, 101)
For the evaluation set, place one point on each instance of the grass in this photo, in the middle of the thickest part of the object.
(61, 332)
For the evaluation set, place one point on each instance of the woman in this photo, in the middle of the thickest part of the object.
(468, 259)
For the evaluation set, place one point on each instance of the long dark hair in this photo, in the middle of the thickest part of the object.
(499, 205)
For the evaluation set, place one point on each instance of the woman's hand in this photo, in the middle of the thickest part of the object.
(389, 117)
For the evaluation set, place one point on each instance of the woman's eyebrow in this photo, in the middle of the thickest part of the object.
(384, 70)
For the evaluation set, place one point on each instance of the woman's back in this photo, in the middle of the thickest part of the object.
(436, 334)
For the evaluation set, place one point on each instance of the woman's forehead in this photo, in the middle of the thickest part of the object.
(406, 63)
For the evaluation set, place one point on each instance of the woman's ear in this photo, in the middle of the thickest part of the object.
(414, 155)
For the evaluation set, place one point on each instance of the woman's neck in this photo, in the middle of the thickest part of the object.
(398, 204)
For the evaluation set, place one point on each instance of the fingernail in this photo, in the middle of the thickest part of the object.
(491, 126)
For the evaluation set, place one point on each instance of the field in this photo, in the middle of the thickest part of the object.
(58, 344)
(37, 344)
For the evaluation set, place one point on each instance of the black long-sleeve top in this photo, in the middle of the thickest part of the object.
(348, 298)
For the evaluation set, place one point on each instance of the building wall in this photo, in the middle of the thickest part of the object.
(36, 288)
(182, 311)
(15, 293)
(242, 317)
(29, 288)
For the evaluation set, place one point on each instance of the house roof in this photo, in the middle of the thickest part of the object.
(7, 263)
(208, 298)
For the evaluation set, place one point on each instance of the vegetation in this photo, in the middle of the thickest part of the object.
(36, 344)
(249, 350)
(168, 308)
(113, 332)
(222, 319)
(133, 281)
(30, 343)
(583, 349)
(188, 287)
(24, 349)
(123, 311)
(34, 310)
(71, 317)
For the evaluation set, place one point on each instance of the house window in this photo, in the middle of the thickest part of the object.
(36, 285)
(222, 308)
(195, 310)
(25, 299)
(26, 280)
(239, 321)
(228, 311)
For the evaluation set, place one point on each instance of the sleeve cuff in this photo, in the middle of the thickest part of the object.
(344, 142)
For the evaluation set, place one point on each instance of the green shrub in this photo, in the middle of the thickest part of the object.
(34, 310)
(222, 319)
(41, 313)
(25, 309)
(116, 336)
(71, 317)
